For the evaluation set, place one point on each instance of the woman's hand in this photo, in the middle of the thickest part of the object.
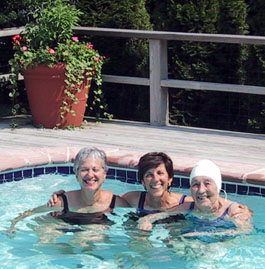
(145, 223)
(54, 198)
(241, 212)
(145, 226)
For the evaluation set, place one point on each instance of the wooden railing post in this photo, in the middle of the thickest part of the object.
(158, 71)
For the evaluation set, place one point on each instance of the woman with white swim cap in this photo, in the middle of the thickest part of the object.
(208, 206)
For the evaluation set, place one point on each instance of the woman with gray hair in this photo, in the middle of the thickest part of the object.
(88, 204)
(90, 168)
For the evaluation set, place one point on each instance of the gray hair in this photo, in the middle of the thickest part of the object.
(90, 153)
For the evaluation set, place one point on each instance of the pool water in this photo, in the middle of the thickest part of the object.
(39, 244)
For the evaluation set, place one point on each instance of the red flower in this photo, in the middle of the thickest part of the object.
(90, 46)
(96, 59)
(51, 51)
(75, 38)
(25, 48)
(16, 39)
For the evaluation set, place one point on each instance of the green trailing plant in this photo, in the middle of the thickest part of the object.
(49, 40)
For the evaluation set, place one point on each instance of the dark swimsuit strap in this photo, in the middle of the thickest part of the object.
(191, 207)
(65, 203)
(113, 200)
(226, 211)
(141, 201)
(182, 199)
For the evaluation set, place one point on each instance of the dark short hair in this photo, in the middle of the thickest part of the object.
(152, 160)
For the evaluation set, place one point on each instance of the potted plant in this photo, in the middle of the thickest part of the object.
(57, 67)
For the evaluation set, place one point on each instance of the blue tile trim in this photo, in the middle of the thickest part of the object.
(230, 188)
(1, 178)
(124, 175)
(242, 190)
(64, 170)
(27, 173)
(38, 171)
(111, 173)
(262, 190)
(50, 170)
(176, 182)
(8, 177)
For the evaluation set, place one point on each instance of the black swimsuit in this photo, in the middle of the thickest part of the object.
(85, 218)
(140, 209)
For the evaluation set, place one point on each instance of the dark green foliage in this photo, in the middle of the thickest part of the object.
(255, 64)
(127, 57)
(209, 62)
(12, 14)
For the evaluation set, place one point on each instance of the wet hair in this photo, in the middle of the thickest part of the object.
(152, 160)
(90, 153)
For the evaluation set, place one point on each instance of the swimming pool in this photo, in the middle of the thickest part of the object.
(118, 245)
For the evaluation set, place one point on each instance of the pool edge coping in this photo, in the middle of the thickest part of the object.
(30, 157)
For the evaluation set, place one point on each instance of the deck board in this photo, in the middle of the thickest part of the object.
(131, 136)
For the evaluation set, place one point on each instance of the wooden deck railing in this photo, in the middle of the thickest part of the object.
(158, 81)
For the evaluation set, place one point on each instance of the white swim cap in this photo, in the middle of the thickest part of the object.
(208, 169)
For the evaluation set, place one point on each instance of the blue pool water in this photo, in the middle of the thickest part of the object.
(119, 245)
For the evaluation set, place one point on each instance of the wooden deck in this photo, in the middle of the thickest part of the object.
(132, 136)
(238, 151)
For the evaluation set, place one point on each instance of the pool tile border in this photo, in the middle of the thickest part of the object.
(125, 175)
(16, 165)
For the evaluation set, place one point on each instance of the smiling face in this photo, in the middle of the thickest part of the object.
(91, 174)
(156, 180)
(204, 192)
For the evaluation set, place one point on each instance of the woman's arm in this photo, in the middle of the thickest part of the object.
(242, 228)
(54, 198)
(40, 209)
(121, 202)
(146, 223)
(131, 198)
(25, 214)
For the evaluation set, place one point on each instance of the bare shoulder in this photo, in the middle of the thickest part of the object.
(121, 202)
(73, 198)
(107, 195)
(176, 198)
(180, 208)
(179, 195)
(234, 207)
(132, 197)
(188, 199)
(106, 192)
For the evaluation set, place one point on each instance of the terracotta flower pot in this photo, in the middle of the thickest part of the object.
(45, 90)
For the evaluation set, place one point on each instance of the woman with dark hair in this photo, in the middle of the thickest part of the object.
(155, 170)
